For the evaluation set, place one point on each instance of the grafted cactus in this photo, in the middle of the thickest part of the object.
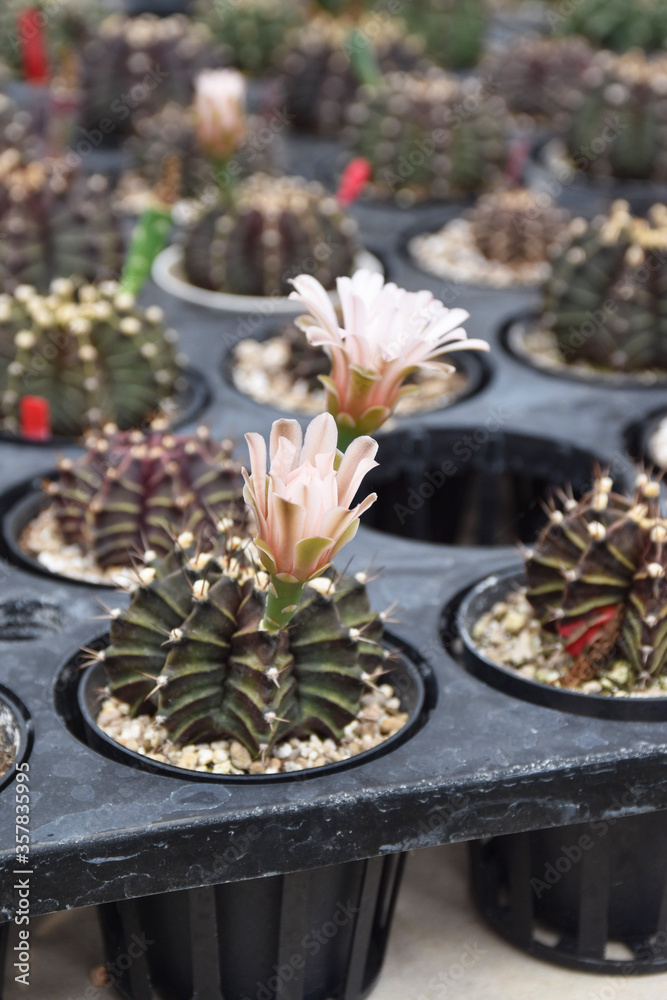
(276, 228)
(219, 674)
(514, 227)
(135, 491)
(252, 34)
(89, 351)
(598, 577)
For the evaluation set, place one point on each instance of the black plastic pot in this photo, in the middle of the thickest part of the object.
(16, 721)
(591, 896)
(476, 485)
(481, 599)
(311, 935)
(511, 338)
(407, 681)
(638, 436)
(190, 401)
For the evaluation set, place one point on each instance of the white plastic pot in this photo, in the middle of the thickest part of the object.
(168, 275)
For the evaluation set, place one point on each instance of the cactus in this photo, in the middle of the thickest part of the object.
(319, 77)
(616, 24)
(605, 299)
(540, 77)
(132, 67)
(514, 228)
(252, 34)
(276, 229)
(429, 135)
(453, 30)
(89, 351)
(219, 675)
(65, 26)
(55, 222)
(133, 491)
(597, 577)
(171, 133)
(17, 128)
(618, 129)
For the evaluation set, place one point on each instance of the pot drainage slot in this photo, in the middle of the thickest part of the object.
(470, 486)
(24, 618)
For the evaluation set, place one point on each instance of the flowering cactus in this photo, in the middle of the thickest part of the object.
(219, 105)
(302, 506)
(387, 334)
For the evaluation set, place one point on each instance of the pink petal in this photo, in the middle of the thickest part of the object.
(321, 438)
(357, 461)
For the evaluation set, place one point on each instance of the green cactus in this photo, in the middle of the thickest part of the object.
(320, 75)
(89, 351)
(65, 26)
(453, 30)
(605, 300)
(540, 77)
(133, 491)
(515, 227)
(597, 577)
(171, 134)
(615, 24)
(133, 66)
(276, 229)
(252, 34)
(219, 675)
(618, 128)
(55, 222)
(429, 135)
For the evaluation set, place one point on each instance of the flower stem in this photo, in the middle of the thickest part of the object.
(346, 436)
(281, 603)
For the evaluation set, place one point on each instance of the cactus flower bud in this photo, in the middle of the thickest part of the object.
(219, 104)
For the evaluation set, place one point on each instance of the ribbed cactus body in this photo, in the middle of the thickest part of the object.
(133, 66)
(134, 491)
(276, 229)
(605, 300)
(55, 222)
(540, 77)
(319, 76)
(171, 133)
(429, 135)
(219, 675)
(516, 227)
(251, 35)
(619, 128)
(89, 351)
(616, 24)
(65, 25)
(452, 29)
(597, 576)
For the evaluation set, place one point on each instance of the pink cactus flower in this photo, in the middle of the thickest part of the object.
(386, 334)
(219, 104)
(302, 504)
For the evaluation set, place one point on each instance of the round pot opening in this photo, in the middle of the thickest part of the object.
(462, 264)
(16, 735)
(183, 408)
(522, 338)
(646, 440)
(479, 600)
(470, 485)
(276, 362)
(79, 698)
(589, 896)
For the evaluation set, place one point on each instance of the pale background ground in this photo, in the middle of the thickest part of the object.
(435, 925)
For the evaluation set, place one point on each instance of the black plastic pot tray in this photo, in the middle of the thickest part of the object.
(482, 763)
